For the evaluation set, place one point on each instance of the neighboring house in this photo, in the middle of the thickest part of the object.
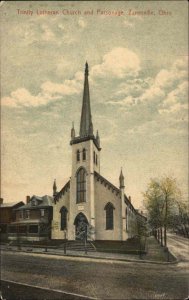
(88, 200)
(33, 220)
(7, 215)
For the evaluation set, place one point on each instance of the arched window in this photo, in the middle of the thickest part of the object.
(81, 186)
(94, 157)
(84, 154)
(78, 155)
(63, 212)
(109, 208)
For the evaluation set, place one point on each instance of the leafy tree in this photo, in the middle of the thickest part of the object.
(180, 220)
(142, 232)
(161, 200)
(154, 203)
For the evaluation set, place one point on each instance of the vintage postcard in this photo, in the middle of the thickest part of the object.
(94, 150)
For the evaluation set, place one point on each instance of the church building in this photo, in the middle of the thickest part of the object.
(88, 203)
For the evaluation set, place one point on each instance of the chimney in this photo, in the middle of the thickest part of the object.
(27, 199)
(129, 198)
(1, 200)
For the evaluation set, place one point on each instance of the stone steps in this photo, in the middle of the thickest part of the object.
(79, 246)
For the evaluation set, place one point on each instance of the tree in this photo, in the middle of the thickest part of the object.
(153, 203)
(161, 200)
(180, 220)
(142, 233)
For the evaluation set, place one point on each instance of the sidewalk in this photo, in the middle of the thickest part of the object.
(155, 253)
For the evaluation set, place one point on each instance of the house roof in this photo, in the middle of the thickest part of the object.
(41, 202)
(11, 204)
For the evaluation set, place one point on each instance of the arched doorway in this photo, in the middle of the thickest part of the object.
(81, 223)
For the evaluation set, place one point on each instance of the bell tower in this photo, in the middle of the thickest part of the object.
(85, 161)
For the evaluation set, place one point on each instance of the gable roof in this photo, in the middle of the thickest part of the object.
(62, 191)
(106, 182)
(113, 187)
(44, 201)
(11, 204)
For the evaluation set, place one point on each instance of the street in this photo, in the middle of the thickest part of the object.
(179, 246)
(97, 278)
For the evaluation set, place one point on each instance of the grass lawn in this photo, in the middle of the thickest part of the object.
(131, 246)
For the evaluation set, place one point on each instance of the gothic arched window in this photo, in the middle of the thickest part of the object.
(63, 212)
(81, 185)
(109, 208)
(78, 155)
(84, 154)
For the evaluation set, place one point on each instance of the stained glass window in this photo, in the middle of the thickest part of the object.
(81, 186)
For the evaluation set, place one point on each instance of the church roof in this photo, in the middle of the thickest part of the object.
(114, 188)
(103, 179)
(62, 191)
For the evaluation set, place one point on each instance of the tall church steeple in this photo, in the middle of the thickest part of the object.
(86, 125)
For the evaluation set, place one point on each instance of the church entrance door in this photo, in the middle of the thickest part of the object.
(81, 225)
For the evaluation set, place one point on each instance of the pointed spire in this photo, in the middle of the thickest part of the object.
(54, 188)
(72, 131)
(121, 180)
(86, 69)
(98, 138)
(86, 125)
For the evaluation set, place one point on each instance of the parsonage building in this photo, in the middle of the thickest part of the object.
(88, 203)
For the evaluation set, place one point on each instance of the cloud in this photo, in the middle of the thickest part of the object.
(154, 93)
(50, 91)
(134, 87)
(118, 63)
(22, 97)
(176, 100)
(168, 88)
(146, 102)
(69, 87)
(128, 101)
(177, 73)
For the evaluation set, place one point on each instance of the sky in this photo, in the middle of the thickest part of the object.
(138, 90)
